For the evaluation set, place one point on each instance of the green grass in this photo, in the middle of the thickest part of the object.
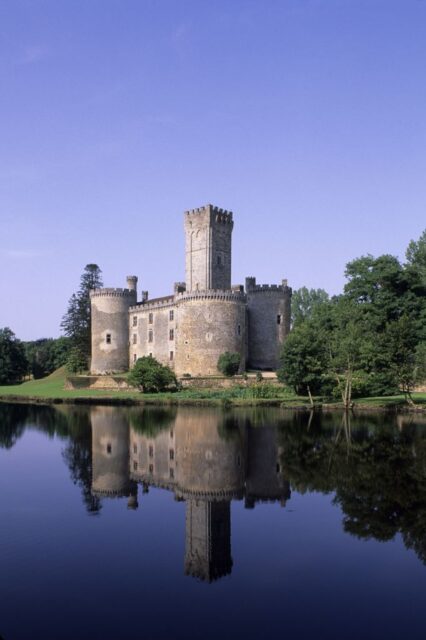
(52, 388)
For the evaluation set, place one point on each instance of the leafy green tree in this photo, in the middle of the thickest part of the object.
(76, 323)
(304, 358)
(76, 361)
(151, 375)
(303, 303)
(228, 363)
(13, 361)
(46, 355)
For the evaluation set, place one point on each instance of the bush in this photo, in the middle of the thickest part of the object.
(76, 361)
(151, 375)
(229, 363)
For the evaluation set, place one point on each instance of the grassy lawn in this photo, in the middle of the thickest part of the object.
(52, 387)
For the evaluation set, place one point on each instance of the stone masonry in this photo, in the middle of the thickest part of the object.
(204, 316)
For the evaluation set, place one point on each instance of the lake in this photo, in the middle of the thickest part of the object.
(210, 523)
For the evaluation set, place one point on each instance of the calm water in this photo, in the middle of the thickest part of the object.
(203, 523)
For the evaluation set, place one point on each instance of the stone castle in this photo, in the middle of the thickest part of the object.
(204, 317)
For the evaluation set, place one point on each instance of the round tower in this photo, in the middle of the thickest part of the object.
(269, 315)
(209, 323)
(110, 328)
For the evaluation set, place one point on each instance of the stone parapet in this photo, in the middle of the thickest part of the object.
(112, 292)
(212, 294)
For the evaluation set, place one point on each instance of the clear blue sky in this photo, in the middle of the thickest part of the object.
(306, 118)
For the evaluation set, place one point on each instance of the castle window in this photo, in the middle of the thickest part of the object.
(151, 468)
(172, 454)
(109, 448)
(135, 321)
(172, 473)
(150, 318)
(108, 338)
(171, 355)
(171, 433)
(171, 315)
(171, 334)
(150, 337)
(135, 448)
(135, 465)
(151, 451)
(239, 329)
(135, 338)
(134, 357)
(278, 319)
(150, 355)
(219, 261)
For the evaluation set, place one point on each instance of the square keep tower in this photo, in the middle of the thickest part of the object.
(208, 236)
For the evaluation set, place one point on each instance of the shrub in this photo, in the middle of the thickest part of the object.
(229, 363)
(151, 375)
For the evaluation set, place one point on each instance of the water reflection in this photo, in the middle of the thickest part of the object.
(375, 466)
(206, 459)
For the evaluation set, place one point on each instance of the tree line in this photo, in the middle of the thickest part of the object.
(368, 341)
(39, 358)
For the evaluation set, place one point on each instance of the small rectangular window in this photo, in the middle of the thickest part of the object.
(151, 451)
(150, 336)
(135, 465)
(135, 321)
(151, 468)
(278, 319)
(150, 318)
(171, 334)
(150, 355)
(239, 329)
(172, 473)
(135, 338)
(171, 315)
(171, 355)
(108, 338)
(171, 433)
(135, 357)
(135, 448)
(172, 454)
(109, 448)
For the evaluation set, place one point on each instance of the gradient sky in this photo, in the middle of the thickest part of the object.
(306, 118)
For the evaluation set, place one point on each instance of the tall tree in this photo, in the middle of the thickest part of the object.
(303, 303)
(13, 361)
(76, 323)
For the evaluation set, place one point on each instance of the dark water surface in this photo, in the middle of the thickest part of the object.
(203, 523)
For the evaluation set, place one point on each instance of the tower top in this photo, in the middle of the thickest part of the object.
(215, 213)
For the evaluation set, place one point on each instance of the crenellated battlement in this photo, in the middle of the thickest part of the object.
(219, 215)
(155, 303)
(252, 287)
(212, 294)
(112, 293)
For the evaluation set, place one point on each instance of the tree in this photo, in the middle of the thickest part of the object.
(151, 375)
(46, 355)
(76, 323)
(304, 358)
(13, 362)
(303, 303)
(228, 363)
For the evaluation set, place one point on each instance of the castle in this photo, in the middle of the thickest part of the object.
(204, 317)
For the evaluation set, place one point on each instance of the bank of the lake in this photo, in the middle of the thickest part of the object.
(50, 390)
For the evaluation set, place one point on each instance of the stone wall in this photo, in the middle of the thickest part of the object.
(154, 332)
(269, 311)
(209, 323)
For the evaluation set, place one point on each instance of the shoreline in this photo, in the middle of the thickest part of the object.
(390, 407)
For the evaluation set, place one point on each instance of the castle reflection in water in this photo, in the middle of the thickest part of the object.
(205, 459)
